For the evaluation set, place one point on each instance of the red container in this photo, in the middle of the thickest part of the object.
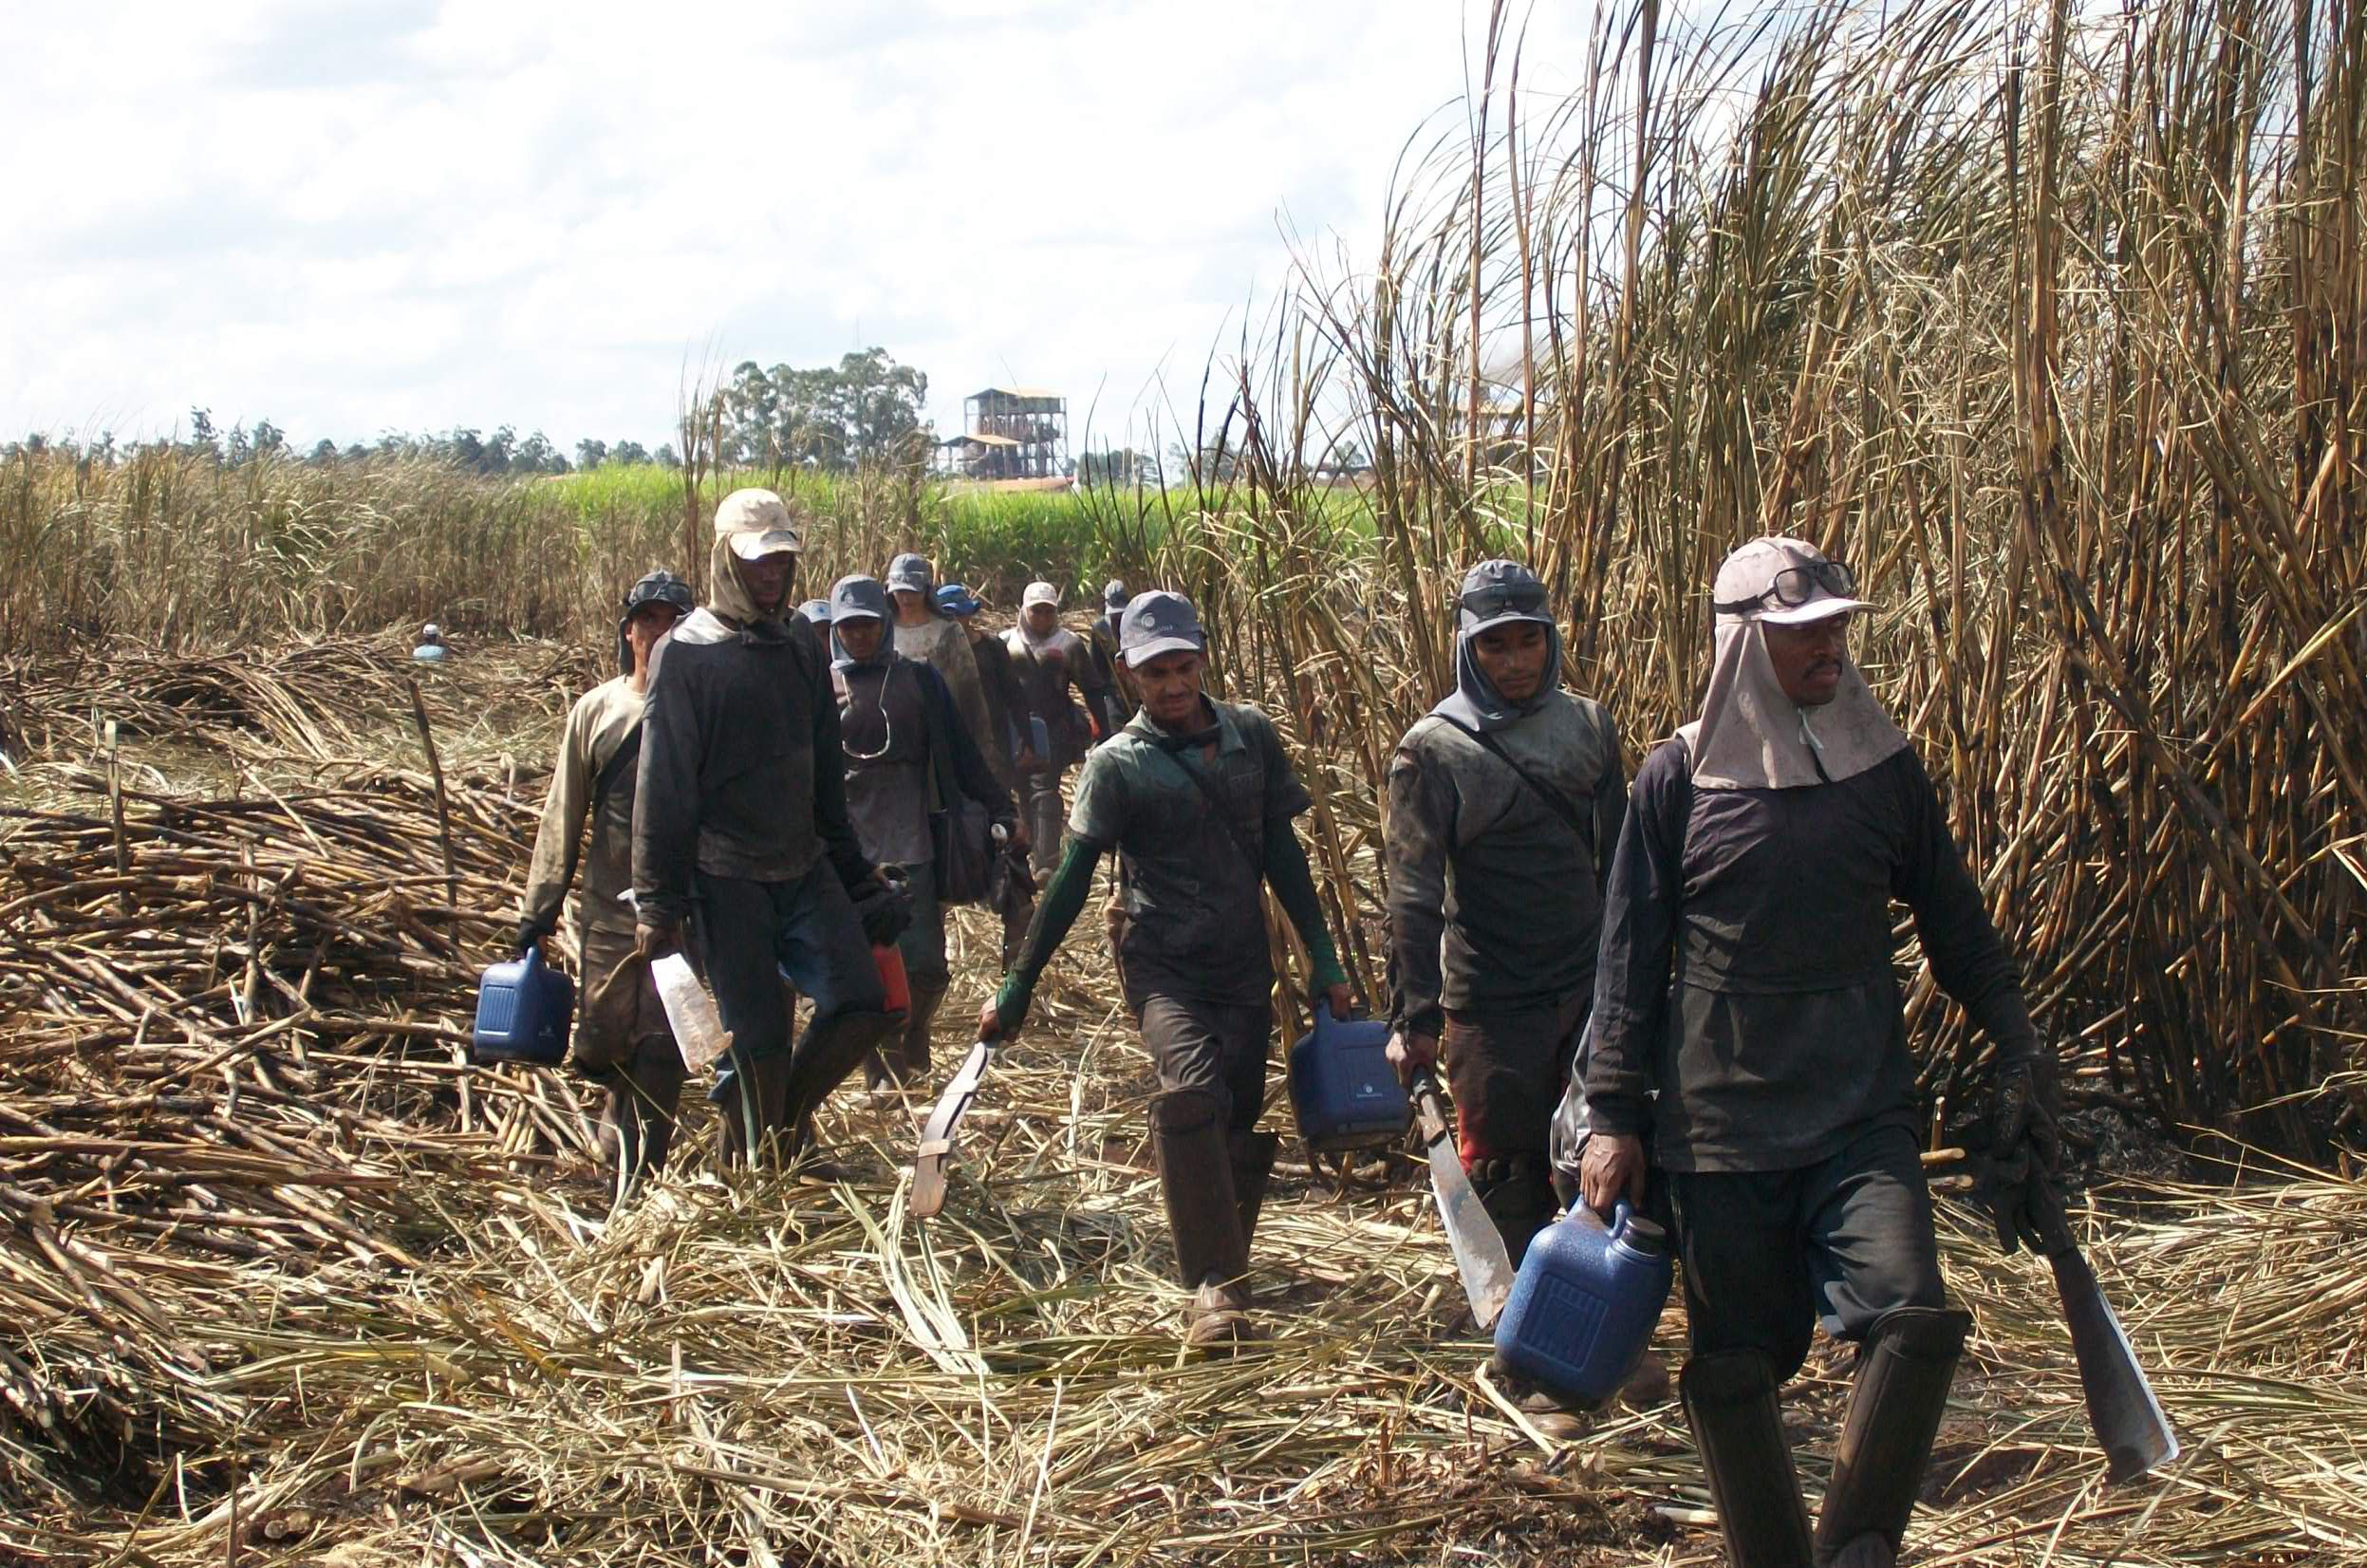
(891, 965)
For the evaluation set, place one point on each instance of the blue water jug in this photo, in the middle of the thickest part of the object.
(1584, 1304)
(523, 1010)
(1343, 1090)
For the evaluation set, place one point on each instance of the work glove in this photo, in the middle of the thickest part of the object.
(530, 933)
(2025, 1151)
(885, 909)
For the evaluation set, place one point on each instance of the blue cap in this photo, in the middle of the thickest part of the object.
(1158, 623)
(954, 600)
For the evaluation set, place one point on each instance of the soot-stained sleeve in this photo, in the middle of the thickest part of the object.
(559, 837)
(1640, 905)
(1422, 805)
(1609, 805)
(1968, 958)
(665, 794)
(831, 821)
(1099, 817)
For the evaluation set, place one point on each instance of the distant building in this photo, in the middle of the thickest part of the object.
(1009, 432)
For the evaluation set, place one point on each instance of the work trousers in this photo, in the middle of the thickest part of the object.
(1767, 1254)
(923, 942)
(755, 933)
(1216, 1047)
(623, 1045)
(1044, 819)
(1507, 1068)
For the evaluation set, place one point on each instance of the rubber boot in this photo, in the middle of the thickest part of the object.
(906, 1062)
(1517, 1193)
(1195, 1179)
(831, 1048)
(1251, 1155)
(1903, 1370)
(751, 1103)
(1730, 1403)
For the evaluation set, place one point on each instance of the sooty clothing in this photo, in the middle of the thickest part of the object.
(1495, 894)
(592, 781)
(742, 774)
(1764, 916)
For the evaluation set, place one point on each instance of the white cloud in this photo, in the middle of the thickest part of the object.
(353, 216)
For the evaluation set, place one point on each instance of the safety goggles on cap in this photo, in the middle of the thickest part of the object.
(1494, 601)
(1795, 586)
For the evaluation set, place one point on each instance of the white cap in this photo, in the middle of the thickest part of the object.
(1040, 593)
(757, 524)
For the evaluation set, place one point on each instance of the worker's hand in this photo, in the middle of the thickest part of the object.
(996, 1024)
(532, 938)
(655, 939)
(1412, 1052)
(1613, 1168)
(1020, 839)
(1339, 998)
(2025, 1149)
(1027, 762)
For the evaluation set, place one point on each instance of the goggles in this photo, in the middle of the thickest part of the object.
(1794, 587)
(1501, 599)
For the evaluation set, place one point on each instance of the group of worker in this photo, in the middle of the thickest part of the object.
(1703, 959)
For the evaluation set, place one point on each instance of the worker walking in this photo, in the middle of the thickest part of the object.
(1196, 798)
(1050, 661)
(740, 831)
(621, 1042)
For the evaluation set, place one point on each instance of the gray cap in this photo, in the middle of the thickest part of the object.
(1496, 593)
(910, 573)
(858, 598)
(1113, 595)
(1159, 622)
(816, 610)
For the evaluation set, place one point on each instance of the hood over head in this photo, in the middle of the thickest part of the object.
(1750, 735)
(1496, 593)
(748, 525)
(859, 598)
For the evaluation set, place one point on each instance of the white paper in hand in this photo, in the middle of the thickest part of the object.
(690, 1012)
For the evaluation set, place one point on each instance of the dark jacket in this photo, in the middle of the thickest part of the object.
(1494, 891)
(898, 724)
(1764, 917)
(741, 770)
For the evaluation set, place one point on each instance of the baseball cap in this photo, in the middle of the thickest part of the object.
(1040, 593)
(757, 524)
(858, 598)
(816, 610)
(910, 573)
(955, 599)
(1159, 622)
(1497, 593)
(1113, 594)
(1785, 583)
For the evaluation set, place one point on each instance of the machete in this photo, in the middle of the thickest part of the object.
(2121, 1408)
(937, 1134)
(1478, 1247)
(2127, 1419)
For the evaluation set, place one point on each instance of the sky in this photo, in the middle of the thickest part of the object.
(397, 215)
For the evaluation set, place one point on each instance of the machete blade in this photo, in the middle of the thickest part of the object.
(936, 1135)
(1478, 1247)
(2121, 1406)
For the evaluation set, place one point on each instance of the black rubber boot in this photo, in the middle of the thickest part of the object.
(1195, 1179)
(1903, 1370)
(1730, 1403)
(1517, 1193)
(830, 1049)
(906, 1063)
(1252, 1157)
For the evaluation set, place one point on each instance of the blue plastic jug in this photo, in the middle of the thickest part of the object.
(524, 1008)
(1584, 1304)
(1343, 1090)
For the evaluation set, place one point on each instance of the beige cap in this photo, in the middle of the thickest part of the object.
(1784, 582)
(1040, 593)
(758, 523)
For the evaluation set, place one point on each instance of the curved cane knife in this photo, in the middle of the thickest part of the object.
(937, 1134)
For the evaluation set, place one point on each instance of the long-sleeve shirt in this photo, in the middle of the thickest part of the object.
(601, 724)
(940, 643)
(896, 721)
(1046, 671)
(1495, 892)
(1747, 970)
(741, 770)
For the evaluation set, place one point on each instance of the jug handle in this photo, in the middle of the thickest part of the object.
(1621, 1212)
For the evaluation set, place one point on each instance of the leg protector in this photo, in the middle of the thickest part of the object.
(1730, 1403)
(1252, 1158)
(1195, 1179)
(1517, 1193)
(1903, 1370)
(829, 1050)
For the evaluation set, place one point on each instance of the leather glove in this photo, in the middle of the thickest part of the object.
(530, 933)
(2025, 1151)
(885, 909)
